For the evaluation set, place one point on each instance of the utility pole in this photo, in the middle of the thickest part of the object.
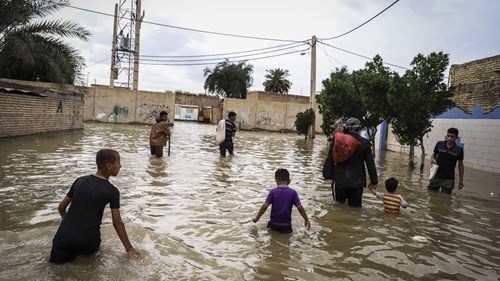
(312, 98)
(113, 69)
(138, 21)
(124, 70)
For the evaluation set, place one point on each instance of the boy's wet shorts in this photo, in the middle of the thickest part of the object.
(66, 247)
(445, 185)
(284, 228)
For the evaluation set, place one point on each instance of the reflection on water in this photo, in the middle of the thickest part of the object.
(190, 213)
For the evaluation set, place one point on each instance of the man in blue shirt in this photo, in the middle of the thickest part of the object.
(446, 154)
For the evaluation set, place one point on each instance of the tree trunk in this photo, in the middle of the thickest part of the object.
(371, 136)
(422, 156)
(412, 156)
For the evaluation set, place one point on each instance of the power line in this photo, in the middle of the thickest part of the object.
(192, 29)
(176, 59)
(98, 62)
(211, 63)
(328, 56)
(231, 53)
(359, 55)
(345, 33)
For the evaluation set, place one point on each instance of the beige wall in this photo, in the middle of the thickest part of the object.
(269, 111)
(115, 105)
(119, 105)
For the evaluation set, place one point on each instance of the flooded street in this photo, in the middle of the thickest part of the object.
(190, 214)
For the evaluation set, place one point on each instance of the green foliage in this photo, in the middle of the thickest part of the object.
(361, 94)
(304, 121)
(230, 80)
(417, 97)
(276, 81)
(337, 100)
(31, 47)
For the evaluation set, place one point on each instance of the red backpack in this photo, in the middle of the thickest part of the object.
(344, 147)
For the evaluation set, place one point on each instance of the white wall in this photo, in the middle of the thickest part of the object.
(480, 137)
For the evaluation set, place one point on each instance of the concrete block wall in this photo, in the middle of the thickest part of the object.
(24, 113)
(120, 105)
(114, 105)
(269, 111)
(479, 138)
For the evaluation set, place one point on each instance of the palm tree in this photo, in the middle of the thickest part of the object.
(276, 81)
(230, 80)
(31, 47)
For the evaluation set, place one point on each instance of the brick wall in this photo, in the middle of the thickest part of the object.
(29, 112)
(476, 83)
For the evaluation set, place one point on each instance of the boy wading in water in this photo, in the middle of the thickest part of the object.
(80, 230)
(392, 200)
(282, 198)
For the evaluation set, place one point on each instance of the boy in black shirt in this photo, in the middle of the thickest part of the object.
(79, 232)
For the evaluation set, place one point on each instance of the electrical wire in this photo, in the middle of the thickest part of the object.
(98, 62)
(218, 58)
(345, 33)
(359, 55)
(192, 29)
(330, 58)
(233, 61)
(223, 54)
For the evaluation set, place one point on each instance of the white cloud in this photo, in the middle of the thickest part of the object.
(467, 30)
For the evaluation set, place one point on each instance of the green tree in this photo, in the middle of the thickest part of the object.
(276, 81)
(372, 84)
(361, 94)
(417, 97)
(338, 100)
(304, 121)
(31, 47)
(230, 80)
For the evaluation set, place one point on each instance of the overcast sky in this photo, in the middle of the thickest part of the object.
(465, 29)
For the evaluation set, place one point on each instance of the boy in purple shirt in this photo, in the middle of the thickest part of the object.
(282, 198)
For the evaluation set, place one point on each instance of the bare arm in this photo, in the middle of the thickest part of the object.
(433, 158)
(302, 212)
(461, 174)
(373, 188)
(63, 205)
(122, 233)
(262, 210)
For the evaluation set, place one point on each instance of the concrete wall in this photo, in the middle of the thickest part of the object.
(269, 111)
(119, 105)
(114, 105)
(29, 110)
(477, 115)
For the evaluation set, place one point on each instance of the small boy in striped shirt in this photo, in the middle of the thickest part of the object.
(392, 201)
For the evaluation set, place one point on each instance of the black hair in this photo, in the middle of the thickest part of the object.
(453, 131)
(391, 184)
(105, 156)
(282, 175)
(231, 114)
(163, 113)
